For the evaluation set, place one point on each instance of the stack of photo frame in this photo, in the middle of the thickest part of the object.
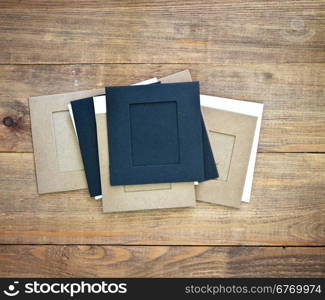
(152, 145)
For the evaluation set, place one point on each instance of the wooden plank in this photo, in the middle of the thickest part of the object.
(293, 94)
(153, 31)
(160, 261)
(144, 4)
(287, 208)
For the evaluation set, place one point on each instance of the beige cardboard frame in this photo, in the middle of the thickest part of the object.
(139, 197)
(235, 133)
(50, 134)
(246, 108)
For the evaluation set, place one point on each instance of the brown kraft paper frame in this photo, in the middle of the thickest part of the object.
(231, 137)
(57, 156)
(140, 197)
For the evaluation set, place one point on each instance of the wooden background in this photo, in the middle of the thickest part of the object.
(271, 52)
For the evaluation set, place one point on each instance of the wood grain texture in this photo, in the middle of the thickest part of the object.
(287, 208)
(33, 32)
(293, 94)
(161, 261)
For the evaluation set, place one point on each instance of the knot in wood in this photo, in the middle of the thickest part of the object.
(8, 121)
